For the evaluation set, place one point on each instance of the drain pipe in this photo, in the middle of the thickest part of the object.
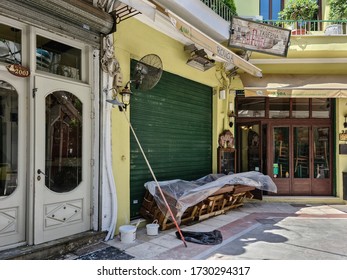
(110, 178)
(226, 86)
(108, 6)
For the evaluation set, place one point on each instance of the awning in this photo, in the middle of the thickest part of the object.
(211, 45)
(286, 85)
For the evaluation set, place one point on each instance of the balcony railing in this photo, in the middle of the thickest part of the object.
(298, 27)
(219, 8)
(311, 27)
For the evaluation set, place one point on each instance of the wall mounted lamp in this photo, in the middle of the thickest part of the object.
(345, 123)
(125, 95)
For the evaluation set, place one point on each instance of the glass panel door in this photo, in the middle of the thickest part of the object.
(12, 159)
(8, 138)
(301, 160)
(62, 181)
(281, 152)
(63, 141)
(249, 139)
(321, 152)
(301, 152)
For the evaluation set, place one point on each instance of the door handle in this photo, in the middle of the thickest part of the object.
(39, 171)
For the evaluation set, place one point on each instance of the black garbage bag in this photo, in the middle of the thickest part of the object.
(205, 238)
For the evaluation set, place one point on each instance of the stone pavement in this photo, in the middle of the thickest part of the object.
(255, 231)
(259, 230)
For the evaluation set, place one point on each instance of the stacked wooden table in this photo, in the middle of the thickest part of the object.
(226, 198)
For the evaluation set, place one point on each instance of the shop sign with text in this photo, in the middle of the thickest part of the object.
(259, 37)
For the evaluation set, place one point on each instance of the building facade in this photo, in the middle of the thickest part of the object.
(308, 107)
(75, 155)
(50, 57)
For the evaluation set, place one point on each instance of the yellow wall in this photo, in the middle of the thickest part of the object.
(325, 9)
(247, 8)
(133, 40)
(341, 160)
(313, 47)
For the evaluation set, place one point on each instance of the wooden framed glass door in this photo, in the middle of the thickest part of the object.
(301, 162)
(251, 147)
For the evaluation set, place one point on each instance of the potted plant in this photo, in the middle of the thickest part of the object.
(338, 11)
(231, 5)
(300, 10)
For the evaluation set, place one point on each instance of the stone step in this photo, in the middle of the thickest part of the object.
(53, 249)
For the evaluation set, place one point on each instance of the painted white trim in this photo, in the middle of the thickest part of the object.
(95, 85)
(198, 14)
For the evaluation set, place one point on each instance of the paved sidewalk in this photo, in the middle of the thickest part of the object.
(256, 231)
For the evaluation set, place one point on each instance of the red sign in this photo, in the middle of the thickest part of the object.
(18, 70)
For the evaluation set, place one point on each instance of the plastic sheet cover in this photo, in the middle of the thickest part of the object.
(181, 194)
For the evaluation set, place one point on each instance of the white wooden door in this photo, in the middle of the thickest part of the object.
(62, 159)
(13, 184)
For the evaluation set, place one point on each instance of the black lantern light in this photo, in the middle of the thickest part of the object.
(125, 93)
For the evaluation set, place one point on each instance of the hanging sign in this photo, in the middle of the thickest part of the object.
(18, 70)
(259, 37)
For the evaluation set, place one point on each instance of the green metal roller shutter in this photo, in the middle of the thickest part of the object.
(173, 122)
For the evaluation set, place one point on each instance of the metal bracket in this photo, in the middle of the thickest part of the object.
(122, 13)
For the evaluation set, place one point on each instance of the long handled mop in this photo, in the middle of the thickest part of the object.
(116, 102)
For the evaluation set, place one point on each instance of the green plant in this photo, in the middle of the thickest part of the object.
(231, 5)
(299, 10)
(338, 9)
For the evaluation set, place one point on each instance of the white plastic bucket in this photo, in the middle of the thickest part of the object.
(152, 229)
(127, 233)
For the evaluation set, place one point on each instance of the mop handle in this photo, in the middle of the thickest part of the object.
(155, 179)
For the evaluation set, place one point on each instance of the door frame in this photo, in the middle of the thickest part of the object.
(286, 186)
(90, 75)
(62, 214)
